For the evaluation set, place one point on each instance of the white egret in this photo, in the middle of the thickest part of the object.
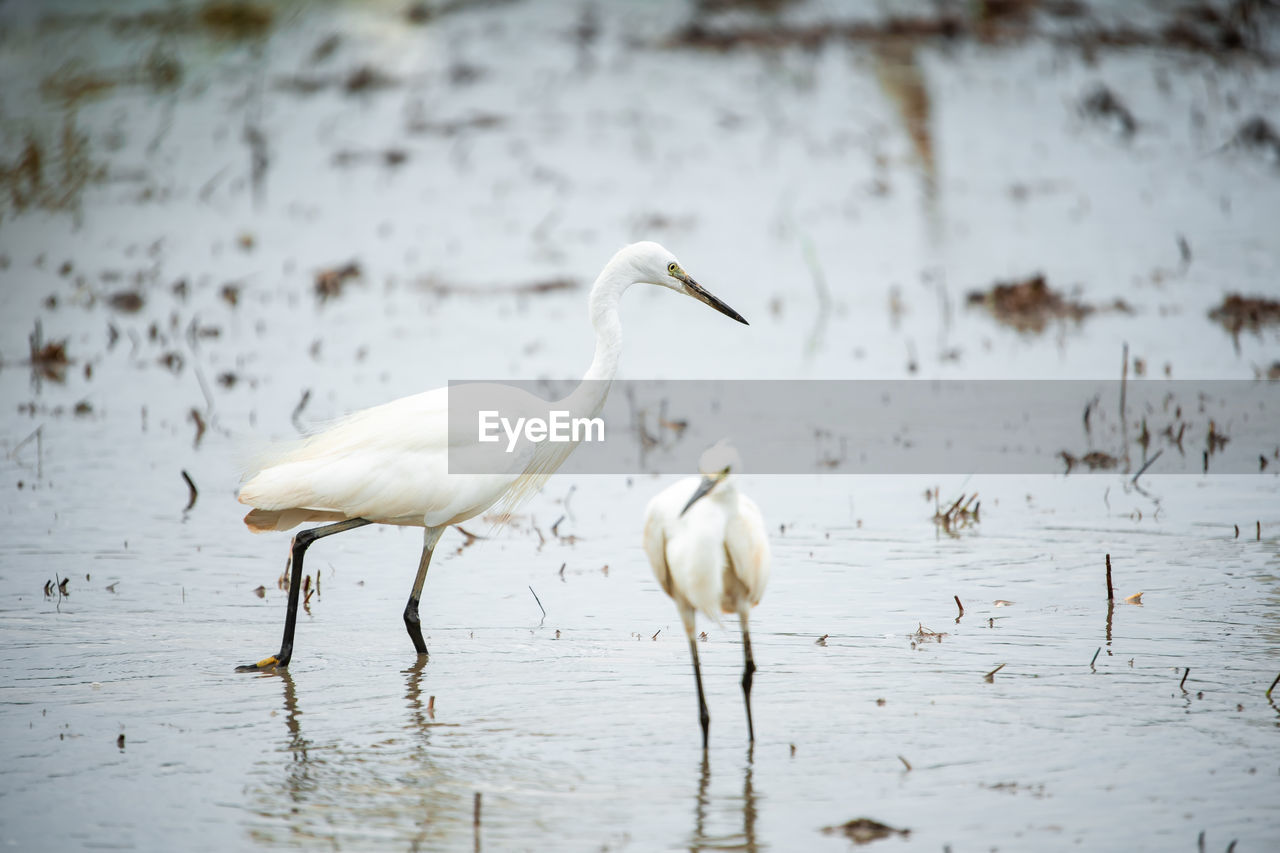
(390, 464)
(707, 545)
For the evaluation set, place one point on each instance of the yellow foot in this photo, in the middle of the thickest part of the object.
(264, 664)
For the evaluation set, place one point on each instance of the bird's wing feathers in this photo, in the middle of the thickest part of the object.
(655, 545)
(383, 463)
(748, 548)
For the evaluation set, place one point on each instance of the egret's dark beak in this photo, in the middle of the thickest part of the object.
(700, 293)
(707, 484)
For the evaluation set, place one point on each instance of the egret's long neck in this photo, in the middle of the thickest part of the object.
(605, 295)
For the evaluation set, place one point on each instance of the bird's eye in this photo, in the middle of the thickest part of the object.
(672, 267)
(725, 472)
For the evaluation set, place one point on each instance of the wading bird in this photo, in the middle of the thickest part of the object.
(708, 548)
(390, 464)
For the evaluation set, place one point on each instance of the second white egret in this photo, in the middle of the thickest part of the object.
(707, 545)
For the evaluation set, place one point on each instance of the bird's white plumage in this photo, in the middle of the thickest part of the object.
(715, 557)
(390, 463)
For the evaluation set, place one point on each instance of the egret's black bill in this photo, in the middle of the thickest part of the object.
(701, 294)
(707, 484)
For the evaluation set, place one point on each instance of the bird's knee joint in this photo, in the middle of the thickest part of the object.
(411, 611)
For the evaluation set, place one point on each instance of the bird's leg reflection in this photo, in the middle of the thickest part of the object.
(747, 841)
(749, 804)
(420, 723)
(298, 781)
(418, 715)
(700, 810)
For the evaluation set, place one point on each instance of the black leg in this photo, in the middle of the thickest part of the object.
(411, 622)
(703, 715)
(414, 625)
(299, 548)
(747, 672)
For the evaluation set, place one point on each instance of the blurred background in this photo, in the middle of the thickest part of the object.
(228, 221)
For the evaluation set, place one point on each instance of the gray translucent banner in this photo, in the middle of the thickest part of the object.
(867, 427)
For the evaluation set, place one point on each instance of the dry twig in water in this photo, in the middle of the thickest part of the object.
(191, 501)
(961, 514)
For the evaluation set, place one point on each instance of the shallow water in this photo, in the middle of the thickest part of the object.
(579, 729)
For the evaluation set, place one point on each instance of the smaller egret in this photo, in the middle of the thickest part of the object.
(707, 545)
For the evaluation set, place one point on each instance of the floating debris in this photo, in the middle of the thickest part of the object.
(1258, 136)
(390, 157)
(923, 632)
(48, 359)
(1029, 304)
(1104, 106)
(236, 19)
(191, 487)
(366, 78)
(1216, 440)
(325, 48)
(329, 282)
(1197, 29)
(126, 301)
(230, 294)
(1252, 313)
(453, 127)
(863, 830)
(1095, 460)
(964, 512)
(540, 607)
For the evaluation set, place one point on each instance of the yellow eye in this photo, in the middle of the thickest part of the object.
(672, 267)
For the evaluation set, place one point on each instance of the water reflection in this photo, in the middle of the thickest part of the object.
(298, 779)
(744, 840)
(361, 785)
